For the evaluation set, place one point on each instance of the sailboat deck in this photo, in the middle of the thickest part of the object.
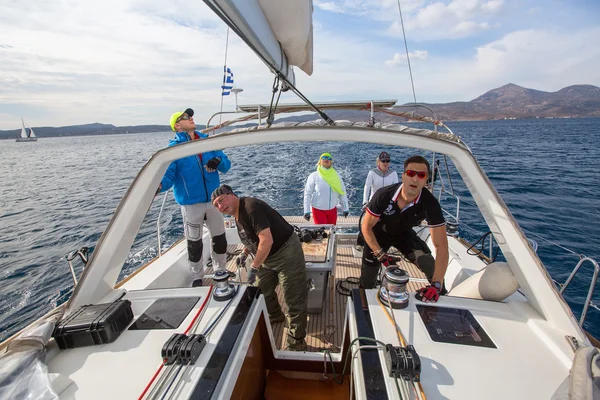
(326, 330)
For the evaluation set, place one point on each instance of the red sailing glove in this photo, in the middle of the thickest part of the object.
(386, 261)
(428, 294)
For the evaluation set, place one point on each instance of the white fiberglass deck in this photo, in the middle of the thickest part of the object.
(122, 369)
(530, 360)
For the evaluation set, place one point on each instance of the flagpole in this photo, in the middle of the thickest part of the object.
(224, 74)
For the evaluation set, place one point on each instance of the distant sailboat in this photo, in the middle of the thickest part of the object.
(27, 134)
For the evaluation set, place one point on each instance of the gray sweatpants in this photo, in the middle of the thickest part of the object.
(193, 226)
(287, 267)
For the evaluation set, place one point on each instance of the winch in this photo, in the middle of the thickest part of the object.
(393, 287)
(223, 289)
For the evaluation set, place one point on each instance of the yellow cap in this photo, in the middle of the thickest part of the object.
(174, 118)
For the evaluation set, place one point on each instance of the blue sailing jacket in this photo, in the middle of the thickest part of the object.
(191, 182)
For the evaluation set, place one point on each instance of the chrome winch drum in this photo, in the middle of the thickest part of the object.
(223, 289)
(393, 288)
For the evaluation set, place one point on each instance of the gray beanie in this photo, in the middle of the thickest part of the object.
(220, 191)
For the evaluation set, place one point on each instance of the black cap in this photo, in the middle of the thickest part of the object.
(220, 191)
(189, 112)
(384, 156)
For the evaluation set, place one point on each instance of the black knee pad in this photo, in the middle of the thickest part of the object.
(195, 250)
(219, 244)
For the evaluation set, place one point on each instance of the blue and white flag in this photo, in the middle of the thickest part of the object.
(227, 81)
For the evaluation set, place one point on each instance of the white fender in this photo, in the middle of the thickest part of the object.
(495, 282)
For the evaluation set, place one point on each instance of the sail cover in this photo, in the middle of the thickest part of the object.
(279, 32)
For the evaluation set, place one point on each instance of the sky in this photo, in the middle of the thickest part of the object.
(134, 62)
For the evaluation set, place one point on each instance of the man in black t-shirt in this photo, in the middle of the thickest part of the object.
(277, 258)
(391, 214)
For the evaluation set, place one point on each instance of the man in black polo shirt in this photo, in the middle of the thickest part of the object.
(390, 217)
(277, 258)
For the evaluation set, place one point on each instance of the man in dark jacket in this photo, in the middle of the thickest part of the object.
(193, 179)
(277, 258)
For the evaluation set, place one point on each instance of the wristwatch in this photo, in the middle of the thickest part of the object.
(437, 285)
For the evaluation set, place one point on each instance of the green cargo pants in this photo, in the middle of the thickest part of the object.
(287, 267)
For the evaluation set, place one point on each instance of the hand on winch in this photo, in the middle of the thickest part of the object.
(430, 293)
(384, 258)
(252, 275)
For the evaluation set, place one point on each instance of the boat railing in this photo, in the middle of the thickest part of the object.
(83, 256)
(561, 286)
(162, 207)
(588, 300)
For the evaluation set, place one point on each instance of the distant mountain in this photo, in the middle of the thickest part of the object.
(88, 129)
(507, 102)
(513, 101)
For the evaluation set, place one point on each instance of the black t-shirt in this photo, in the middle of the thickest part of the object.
(256, 215)
(396, 222)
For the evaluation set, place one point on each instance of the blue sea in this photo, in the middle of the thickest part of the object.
(58, 194)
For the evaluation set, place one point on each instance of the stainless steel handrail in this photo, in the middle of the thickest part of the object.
(158, 223)
(588, 300)
(457, 216)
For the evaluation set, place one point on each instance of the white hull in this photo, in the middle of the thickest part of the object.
(448, 371)
(528, 329)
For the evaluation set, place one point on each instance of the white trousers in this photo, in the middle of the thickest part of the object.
(193, 219)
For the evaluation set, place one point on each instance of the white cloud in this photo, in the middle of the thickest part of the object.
(130, 63)
(400, 59)
(139, 56)
(466, 28)
(464, 8)
(444, 21)
(328, 6)
(540, 59)
(493, 6)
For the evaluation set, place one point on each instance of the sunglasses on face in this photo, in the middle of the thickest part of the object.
(385, 161)
(410, 173)
(326, 158)
(184, 117)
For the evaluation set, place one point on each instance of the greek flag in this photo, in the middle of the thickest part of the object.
(227, 81)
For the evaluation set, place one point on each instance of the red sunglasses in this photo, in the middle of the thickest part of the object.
(421, 174)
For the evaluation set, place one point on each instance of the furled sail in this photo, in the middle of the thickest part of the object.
(279, 32)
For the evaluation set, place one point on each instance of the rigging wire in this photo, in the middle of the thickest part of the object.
(276, 87)
(219, 11)
(407, 55)
(527, 231)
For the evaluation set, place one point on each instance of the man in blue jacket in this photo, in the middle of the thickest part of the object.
(193, 179)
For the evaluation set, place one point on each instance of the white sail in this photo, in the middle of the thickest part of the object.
(280, 33)
(23, 130)
(31, 132)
